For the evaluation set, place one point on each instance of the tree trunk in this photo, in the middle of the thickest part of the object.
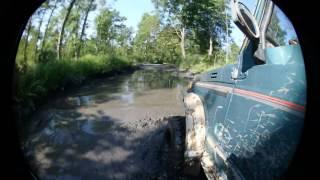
(182, 43)
(62, 29)
(38, 37)
(47, 27)
(26, 43)
(214, 60)
(210, 47)
(83, 29)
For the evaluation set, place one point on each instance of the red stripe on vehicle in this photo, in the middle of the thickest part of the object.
(214, 87)
(285, 103)
(274, 100)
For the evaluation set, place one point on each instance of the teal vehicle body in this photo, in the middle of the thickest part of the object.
(254, 112)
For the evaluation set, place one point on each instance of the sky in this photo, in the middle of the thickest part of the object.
(133, 10)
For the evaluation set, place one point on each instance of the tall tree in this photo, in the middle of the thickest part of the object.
(72, 30)
(28, 30)
(209, 20)
(40, 13)
(124, 41)
(174, 12)
(145, 39)
(166, 45)
(205, 19)
(53, 8)
(108, 23)
(89, 8)
(60, 40)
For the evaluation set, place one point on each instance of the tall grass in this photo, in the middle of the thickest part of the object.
(41, 79)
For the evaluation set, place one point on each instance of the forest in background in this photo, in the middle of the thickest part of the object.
(56, 48)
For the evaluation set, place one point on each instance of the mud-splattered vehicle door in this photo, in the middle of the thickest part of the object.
(244, 120)
(266, 112)
(206, 107)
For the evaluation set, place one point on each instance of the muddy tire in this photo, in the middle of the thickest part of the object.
(192, 168)
(176, 133)
(175, 138)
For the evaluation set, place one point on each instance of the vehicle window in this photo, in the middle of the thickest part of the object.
(280, 31)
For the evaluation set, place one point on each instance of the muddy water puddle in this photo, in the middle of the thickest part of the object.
(110, 128)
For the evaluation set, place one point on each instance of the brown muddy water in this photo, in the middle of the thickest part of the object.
(111, 128)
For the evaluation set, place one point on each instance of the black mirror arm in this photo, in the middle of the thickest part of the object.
(259, 53)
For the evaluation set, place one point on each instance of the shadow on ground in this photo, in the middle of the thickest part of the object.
(97, 146)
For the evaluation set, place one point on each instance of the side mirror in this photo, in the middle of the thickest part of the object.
(245, 21)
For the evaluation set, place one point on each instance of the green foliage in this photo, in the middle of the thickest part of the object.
(158, 39)
(198, 63)
(145, 40)
(207, 18)
(167, 48)
(44, 78)
(202, 19)
(58, 50)
(109, 25)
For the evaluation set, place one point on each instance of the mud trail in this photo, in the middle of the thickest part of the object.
(111, 128)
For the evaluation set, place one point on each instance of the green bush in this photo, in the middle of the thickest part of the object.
(42, 78)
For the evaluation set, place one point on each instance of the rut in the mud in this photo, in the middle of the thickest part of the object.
(111, 128)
